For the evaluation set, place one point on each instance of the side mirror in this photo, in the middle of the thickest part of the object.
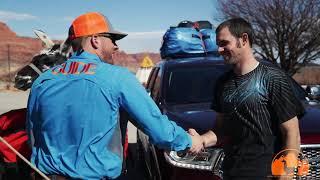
(313, 92)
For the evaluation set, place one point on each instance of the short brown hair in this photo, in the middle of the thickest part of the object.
(238, 26)
(77, 43)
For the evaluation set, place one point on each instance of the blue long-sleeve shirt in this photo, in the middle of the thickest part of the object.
(73, 118)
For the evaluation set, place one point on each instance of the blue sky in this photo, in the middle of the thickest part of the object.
(144, 20)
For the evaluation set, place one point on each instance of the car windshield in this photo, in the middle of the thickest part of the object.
(298, 90)
(192, 84)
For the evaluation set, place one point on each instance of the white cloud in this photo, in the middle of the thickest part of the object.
(68, 18)
(145, 35)
(135, 42)
(7, 15)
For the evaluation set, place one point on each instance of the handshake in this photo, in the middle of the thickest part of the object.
(199, 142)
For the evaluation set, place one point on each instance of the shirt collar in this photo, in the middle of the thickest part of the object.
(86, 56)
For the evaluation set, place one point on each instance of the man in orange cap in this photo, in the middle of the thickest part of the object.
(73, 108)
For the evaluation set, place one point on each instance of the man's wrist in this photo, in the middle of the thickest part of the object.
(203, 141)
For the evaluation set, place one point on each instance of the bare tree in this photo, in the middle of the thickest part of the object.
(286, 31)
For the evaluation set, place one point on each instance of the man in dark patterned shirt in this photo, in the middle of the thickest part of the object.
(256, 108)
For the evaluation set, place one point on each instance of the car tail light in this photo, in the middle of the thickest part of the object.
(210, 160)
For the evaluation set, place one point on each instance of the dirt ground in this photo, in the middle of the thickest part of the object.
(12, 100)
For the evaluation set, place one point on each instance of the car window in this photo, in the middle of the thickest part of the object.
(192, 84)
(151, 78)
(156, 87)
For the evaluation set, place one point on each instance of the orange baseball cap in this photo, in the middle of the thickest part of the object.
(93, 23)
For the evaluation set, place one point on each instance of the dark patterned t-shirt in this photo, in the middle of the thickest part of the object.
(253, 106)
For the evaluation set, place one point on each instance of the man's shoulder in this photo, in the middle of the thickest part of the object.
(273, 71)
(42, 77)
(113, 76)
(271, 67)
(114, 70)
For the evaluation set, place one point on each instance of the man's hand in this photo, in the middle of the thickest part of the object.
(197, 142)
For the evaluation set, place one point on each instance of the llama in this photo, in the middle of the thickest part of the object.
(52, 55)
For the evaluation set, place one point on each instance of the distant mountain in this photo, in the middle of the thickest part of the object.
(133, 61)
(22, 49)
(5, 31)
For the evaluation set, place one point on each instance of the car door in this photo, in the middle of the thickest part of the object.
(146, 149)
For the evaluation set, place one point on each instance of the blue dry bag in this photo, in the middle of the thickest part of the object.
(209, 39)
(181, 42)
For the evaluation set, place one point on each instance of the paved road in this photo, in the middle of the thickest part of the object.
(12, 100)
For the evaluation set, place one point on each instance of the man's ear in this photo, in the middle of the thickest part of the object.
(94, 41)
(245, 39)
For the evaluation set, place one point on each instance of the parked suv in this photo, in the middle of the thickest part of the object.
(183, 90)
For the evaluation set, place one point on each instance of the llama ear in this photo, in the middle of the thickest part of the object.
(65, 47)
(47, 42)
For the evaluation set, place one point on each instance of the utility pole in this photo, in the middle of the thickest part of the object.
(9, 67)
